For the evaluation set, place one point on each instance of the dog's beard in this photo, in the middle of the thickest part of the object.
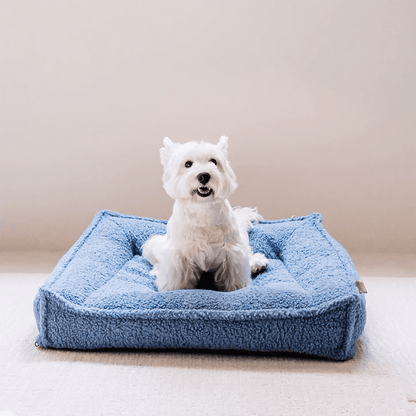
(220, 186)
(203, 191)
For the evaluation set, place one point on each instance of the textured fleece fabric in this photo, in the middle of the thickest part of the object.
(101, 295)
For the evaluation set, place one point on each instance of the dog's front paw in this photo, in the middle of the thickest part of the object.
(231, 287)
(258, 264)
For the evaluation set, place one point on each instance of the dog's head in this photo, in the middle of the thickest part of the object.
(197, 171)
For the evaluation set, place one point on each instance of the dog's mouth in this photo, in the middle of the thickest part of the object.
(204, 191)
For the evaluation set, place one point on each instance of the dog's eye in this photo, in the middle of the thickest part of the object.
(188, 164)
(213, 161)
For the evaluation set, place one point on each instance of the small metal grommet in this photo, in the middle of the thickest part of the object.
(37, 345)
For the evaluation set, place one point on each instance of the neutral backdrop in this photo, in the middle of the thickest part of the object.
(317, 98)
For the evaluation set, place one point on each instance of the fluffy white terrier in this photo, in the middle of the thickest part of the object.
(204, 234)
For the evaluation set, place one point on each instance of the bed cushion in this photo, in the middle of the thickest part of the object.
(101, 295)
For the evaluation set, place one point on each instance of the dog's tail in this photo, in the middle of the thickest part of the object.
(246, 216)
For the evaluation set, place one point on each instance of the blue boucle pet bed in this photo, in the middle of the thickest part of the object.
(101, 295)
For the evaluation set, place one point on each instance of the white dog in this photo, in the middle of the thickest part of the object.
(204, 234)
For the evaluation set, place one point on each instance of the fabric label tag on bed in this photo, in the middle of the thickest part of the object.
(361, 286)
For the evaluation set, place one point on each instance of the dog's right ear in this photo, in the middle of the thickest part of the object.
(167, 150)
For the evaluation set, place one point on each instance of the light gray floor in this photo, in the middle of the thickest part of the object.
(379, 380)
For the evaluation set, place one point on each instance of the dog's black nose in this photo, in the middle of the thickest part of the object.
(204, 177)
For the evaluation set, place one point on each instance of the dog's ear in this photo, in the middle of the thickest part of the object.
(223, 145)
(167, 150)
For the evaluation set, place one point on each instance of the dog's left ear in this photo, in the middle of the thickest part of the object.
(223, 145)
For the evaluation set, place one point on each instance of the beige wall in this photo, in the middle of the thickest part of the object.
(317, 98)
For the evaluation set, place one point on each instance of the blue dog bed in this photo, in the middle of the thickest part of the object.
(101, 295)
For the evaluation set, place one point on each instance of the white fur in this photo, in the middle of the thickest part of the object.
(204, 233)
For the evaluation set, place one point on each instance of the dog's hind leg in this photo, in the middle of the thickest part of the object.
(258, 263)
(245, 217)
